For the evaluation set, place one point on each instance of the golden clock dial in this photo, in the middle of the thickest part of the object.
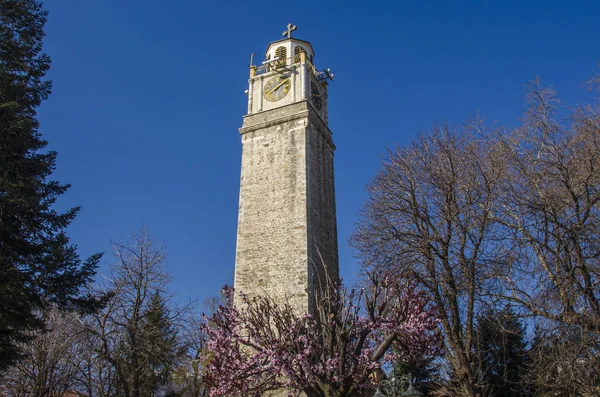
(277, 88)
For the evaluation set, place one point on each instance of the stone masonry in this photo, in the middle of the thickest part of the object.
(287, 231)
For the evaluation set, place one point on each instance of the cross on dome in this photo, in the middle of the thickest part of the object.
(290, 29)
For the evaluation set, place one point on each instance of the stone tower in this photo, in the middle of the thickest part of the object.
(287, 234)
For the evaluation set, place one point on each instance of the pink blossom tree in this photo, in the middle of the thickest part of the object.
(260, 345)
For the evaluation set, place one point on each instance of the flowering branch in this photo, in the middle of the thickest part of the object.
(262, 345)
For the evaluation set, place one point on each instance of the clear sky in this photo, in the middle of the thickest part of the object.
(149, 95)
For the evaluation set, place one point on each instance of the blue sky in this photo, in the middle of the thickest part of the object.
(149, 95)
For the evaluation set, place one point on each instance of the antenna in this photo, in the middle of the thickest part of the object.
(324, 75)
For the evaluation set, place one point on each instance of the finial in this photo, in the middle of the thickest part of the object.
(290, 29)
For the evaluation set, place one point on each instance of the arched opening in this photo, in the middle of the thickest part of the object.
(281, 53)
(297, 52)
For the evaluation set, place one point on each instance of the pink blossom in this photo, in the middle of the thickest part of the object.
(261, 345)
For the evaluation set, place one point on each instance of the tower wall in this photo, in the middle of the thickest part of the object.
(321, 216)
(287, 224)
(272, 252)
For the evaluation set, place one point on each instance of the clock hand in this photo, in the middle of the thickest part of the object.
(277, 86)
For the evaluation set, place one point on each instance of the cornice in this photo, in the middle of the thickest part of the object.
(257, 121)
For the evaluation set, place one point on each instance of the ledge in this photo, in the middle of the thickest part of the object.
(291, 112)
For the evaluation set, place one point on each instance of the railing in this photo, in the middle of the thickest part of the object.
(283, 63)
(262, 69)
(274, 65)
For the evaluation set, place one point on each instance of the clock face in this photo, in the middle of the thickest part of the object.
(317, 97)
(277, 88)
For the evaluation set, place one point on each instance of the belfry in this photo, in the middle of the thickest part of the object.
(287, 233)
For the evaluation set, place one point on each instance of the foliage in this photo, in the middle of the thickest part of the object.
(131, 347)
(259, 344)
(425, 375)
(158, 340)
(136, 333)
(38, 265)
(502, 353)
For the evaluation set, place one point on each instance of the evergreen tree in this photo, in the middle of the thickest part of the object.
(501, 351)
(137, 330)
(148, 353)
(425, 375)
(159, 342)
(38, 265)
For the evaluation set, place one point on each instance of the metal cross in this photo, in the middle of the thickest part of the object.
(290, 29)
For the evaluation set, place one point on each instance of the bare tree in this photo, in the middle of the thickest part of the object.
(49, 364)
(95, 376)
(187, 377)
(564, 361)
(428, 217)
(136, 335)
(550, 212)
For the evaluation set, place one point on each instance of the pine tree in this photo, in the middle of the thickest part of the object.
(38, 265)
(425, 375)
(502, 353)
(159, 345)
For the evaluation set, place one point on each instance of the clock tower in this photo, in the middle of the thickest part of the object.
(287, 234)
